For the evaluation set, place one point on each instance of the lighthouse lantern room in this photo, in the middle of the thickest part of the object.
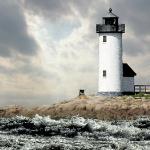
(110, 55)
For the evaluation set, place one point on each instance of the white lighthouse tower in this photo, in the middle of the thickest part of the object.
(110, 55)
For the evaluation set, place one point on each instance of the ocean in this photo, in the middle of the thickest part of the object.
(76, 133)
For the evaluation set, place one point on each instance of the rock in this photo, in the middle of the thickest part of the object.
(87, 128)
(142, 124)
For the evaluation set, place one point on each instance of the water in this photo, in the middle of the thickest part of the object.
(77, 133)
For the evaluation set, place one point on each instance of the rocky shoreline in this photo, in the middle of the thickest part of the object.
(76, 133)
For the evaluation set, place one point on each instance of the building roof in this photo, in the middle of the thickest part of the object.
(110, 14)
(127, 71)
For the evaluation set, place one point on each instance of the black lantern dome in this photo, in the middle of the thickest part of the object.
(110, 24)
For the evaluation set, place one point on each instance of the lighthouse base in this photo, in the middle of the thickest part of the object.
(111, 94)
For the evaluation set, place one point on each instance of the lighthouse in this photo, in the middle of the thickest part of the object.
(110, 55)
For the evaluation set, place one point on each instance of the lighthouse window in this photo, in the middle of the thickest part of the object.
(104, 38)
(104, 73)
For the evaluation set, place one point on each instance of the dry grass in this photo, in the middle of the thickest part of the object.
(104, 108)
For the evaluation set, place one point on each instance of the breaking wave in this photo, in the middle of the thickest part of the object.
(73, 134)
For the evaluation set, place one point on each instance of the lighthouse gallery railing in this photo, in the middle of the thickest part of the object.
(102, 28)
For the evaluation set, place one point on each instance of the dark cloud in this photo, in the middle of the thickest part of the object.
(14, 36)
(58, 9)
(132, 46)
(53, 9)
(133, 13)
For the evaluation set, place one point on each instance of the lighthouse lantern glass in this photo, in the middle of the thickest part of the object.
(111, 21)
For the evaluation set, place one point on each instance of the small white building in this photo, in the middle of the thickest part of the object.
(115, 78)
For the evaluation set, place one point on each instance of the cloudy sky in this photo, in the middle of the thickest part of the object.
(49, 48)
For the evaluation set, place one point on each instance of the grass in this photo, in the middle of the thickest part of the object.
(142, 95)
(118, 108)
